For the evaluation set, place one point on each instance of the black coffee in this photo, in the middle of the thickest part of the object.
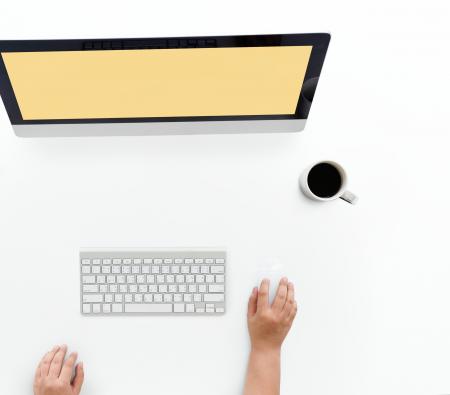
(324, 180)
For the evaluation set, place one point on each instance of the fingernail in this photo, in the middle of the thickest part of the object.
(284, 279)
(80, 364)
(55, 348)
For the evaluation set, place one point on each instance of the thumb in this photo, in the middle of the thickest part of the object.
(77, 381)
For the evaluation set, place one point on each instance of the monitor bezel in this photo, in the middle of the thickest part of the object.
(318, 41)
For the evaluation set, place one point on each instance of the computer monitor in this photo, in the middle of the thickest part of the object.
(144, 86)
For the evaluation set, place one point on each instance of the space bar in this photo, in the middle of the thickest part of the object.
(148, 308)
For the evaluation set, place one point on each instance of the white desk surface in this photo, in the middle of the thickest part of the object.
(372, 280)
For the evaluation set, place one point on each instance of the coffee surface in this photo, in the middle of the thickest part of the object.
(324, 180)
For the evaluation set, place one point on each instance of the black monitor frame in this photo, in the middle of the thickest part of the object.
(318, 41)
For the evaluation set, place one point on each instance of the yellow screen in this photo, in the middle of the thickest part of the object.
(157, 82)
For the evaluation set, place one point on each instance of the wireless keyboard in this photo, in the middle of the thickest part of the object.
(149, 282)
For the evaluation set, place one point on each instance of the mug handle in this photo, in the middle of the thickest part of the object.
(349, 197)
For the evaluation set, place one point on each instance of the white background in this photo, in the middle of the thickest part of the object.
(372, 279)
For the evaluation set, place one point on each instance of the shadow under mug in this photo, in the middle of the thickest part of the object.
(342, 193)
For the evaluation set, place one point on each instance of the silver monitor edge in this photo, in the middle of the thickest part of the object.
(158, 128)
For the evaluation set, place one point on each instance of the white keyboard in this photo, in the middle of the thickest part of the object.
(148, 282)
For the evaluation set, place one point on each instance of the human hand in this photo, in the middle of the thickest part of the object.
(54, 375)
(268, 324)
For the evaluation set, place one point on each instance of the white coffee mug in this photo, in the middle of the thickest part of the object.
(342, 193)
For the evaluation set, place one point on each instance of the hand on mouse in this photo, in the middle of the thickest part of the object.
(268, 324)
(54, 375)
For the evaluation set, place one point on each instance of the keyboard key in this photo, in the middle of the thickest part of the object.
(93, 298)
(106, 308)
(117, 308)
(88, 279)
(96, 308)
(167, 298)
(220, 261)
(148, 261)
(209, 261)
(143, 288)
(137, 261)
(107, 261)
(148, 298)
(216, 288)
(126, 269)
(177, 298)
(157, 298)
(96, 261)
(86, 308)
(190, 308)
(217, 269)
(85, 261)
(178, 308)
(220, 278)
(95, 269)
(192, 288)
(148, 308)
(162, 288)
(182, 288)
(214, 297)
(187, 298)
(197, 297)
(86, 269)
(132, 288)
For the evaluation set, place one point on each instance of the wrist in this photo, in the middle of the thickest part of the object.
(266, 349)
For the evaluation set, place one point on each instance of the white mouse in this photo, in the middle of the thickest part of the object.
(273, 273)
